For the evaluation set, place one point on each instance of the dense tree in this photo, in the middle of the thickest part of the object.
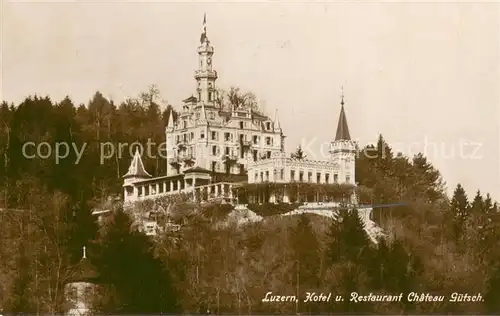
(137, 280)
(459, 208)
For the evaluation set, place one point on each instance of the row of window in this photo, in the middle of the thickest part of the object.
(211, 116)
(227, 137)
(264, 176)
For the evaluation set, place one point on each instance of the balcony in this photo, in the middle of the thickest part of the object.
(181, 144)
(187, 158)
(230, 158)
(174, 161)
(245, 144)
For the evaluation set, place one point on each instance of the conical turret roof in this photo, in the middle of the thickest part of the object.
(136, 168)
(342, 128)
(84, 271)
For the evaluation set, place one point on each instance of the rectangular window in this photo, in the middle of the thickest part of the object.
(146, 190)
(327, 178)
(282, 174)
(301, 176)
(214, 150)
(255, 155)
(262, 177)
(309, 177)
(213, 165)
(214, 135)
(348, 179)
(210, 96)
(241, 125)
(255, 140)
(335, 178)
(256, 177)
(267, 176)
(292, 175)
(268, 155)
(227, 150)
(227, 137)
(268, 140)
(318, 177)
(202, 135)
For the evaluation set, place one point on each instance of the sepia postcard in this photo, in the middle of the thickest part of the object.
(249, 157)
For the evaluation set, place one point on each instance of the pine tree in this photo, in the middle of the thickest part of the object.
(298, 154)
(493, 291)
(304, 243)
(459, 208)
(140, 282)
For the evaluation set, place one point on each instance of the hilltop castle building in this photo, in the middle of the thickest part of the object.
(212, 151)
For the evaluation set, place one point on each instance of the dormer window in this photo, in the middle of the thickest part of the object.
(268, 125)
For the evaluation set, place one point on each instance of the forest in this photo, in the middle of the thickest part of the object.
(434, 244)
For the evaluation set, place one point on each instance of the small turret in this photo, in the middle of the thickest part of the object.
(136, 172)
(343, 149)
(80, 286)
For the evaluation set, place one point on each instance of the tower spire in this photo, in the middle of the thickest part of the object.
(342, 95)
(342, 128)
(204, 37)
(276, 120)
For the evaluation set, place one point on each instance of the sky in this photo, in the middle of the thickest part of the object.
(425, 75)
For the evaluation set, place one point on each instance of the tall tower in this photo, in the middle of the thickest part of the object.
(169, 144)
(343, 149)
(205, 76)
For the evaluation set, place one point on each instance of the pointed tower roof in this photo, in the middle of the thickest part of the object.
(276, 120)
(136, 168)
(170, 122)
(342, 128)
(84, 271)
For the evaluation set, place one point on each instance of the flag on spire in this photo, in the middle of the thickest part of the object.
(204, 33)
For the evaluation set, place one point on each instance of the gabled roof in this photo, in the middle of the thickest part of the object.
(342, 128)
(197, 169)
(136, 168)
(190, 99)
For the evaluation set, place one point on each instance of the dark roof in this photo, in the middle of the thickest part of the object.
(84, 271)
(197, 169)
(136, 168)
(190, 99)
(342, 128)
